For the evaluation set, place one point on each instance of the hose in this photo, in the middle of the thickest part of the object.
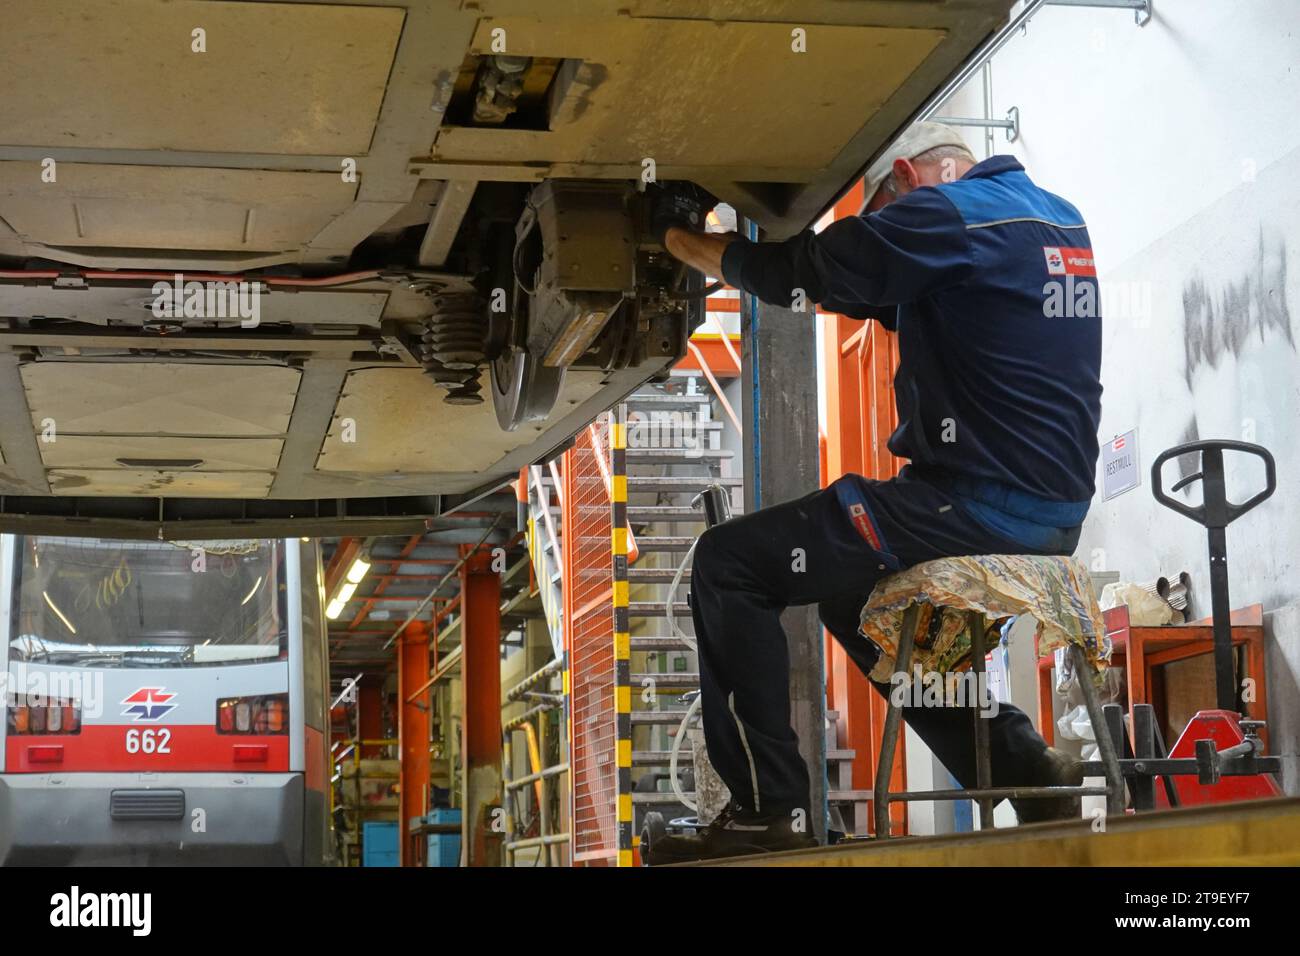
(677, 746)
(677, 632)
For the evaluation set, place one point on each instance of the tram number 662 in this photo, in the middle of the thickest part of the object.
(149, 741)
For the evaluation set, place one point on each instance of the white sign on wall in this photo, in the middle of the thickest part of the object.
(1119, 465)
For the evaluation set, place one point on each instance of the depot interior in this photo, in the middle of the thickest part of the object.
(487, 708)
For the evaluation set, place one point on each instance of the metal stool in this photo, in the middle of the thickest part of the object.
(984, 792)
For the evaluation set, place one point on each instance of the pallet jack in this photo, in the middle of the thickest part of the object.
(1219, 757)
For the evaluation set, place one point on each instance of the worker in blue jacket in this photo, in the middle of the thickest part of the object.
(989, 282)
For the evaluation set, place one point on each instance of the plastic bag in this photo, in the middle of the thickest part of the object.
(1144, 608)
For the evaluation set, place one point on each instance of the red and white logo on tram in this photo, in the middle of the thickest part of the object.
(148, 704)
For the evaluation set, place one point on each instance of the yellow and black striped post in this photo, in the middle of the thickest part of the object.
(622, 638)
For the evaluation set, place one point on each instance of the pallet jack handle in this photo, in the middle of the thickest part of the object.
(1215, 513)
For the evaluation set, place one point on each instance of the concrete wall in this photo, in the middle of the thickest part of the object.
(1180, 144)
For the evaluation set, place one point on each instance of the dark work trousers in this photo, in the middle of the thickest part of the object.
(810, 551)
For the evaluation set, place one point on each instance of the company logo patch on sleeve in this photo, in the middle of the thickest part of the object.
(1065, 260)
(866, 527)
(856, 505)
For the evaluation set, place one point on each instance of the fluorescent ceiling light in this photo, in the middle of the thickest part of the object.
(358, 570)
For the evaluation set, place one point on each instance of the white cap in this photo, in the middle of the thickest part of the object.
(919, 138)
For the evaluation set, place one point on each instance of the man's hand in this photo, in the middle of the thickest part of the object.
(677, 214)
(680, 205)
(699, 250)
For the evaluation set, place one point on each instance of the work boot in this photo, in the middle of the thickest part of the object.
(735, 832)
(1054, 768)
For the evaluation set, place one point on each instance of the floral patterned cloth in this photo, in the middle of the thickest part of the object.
(1056, 591)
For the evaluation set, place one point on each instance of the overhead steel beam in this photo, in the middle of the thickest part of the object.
(466, 552)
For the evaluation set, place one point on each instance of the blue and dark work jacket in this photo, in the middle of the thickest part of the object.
(989, 282)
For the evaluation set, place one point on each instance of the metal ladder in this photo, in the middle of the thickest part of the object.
(673, 453)
(673, 449)
(543, 536)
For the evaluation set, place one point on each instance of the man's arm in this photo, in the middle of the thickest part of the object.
(699, 250)
(704, 252)
(910, 248)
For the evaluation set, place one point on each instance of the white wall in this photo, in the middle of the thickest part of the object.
(1180, 143)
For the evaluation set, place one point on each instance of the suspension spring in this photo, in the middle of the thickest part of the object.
(453, 344)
